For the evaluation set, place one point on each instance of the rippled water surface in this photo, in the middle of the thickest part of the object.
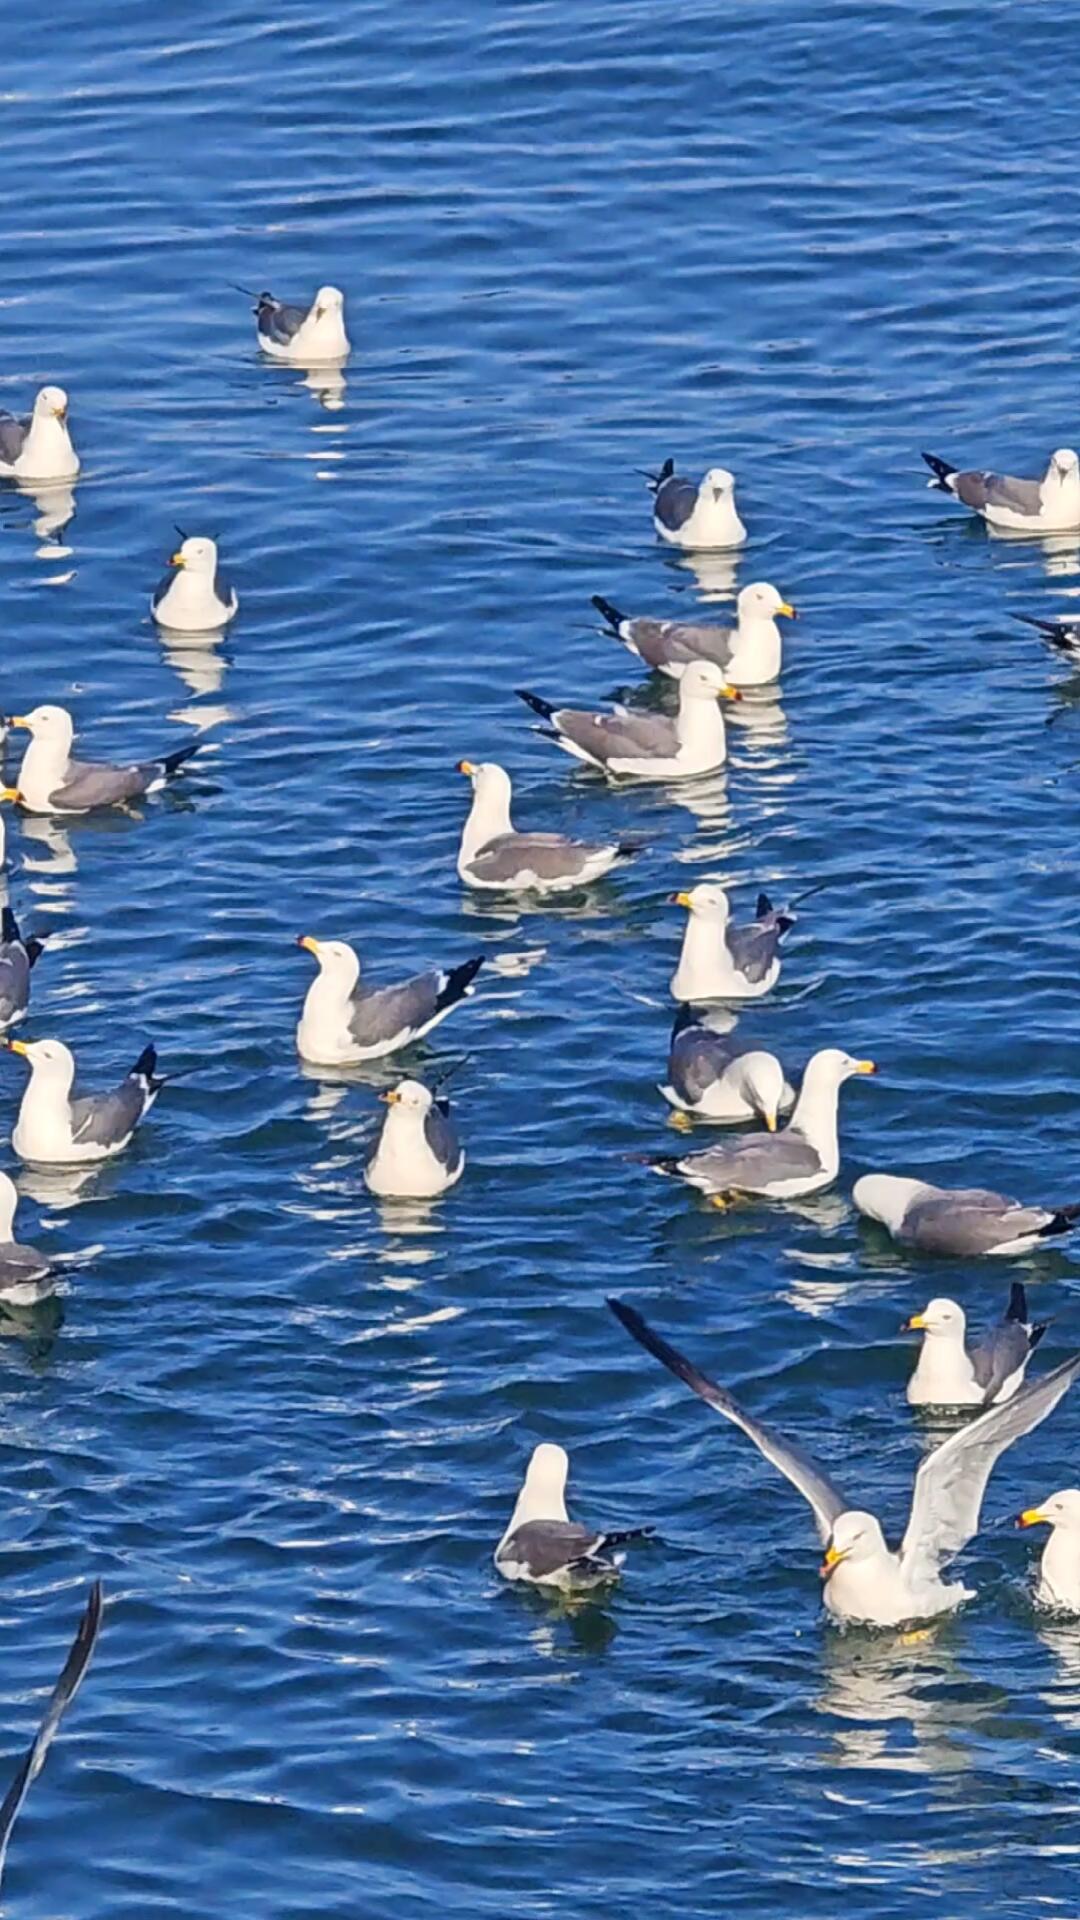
(287, 1427)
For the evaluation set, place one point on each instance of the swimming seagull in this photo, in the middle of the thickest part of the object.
(750, 653)
(950, 1374)
(196, 597)
(63, 1694)
(493, 856)
(311, 336)
(418, 1154)
(716, 1077)
(343, 1023)
(962, 1221)
(17, 957)
(39, 447)
(25, 1274)
(802, 1158)
(722, 962)
(1049, 505)
(698, 514)
(647, 746)
(1063, 634)
(51, 780)
(1059, 1568)
(543, 1546)
(864, 1580)
(55, 1129)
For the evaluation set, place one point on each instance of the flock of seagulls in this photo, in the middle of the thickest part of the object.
(790, 1146)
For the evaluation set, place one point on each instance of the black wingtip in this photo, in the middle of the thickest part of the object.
(35, 947)
(1017, 1307)
(145, 1067)
(1064, 1220)
(533, 700)
(611, 614)
(173, 761)
(941, 471)
(459, 981)
(1036, 1334)
(764, 907)
(9, 928)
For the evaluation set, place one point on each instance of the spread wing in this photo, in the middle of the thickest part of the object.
(619, 736)
(675, 502)
(951, 1481)
(981, 490)
(824, 1498)
(63, 1694)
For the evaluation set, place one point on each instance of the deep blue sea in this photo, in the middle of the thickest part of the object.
(285, 1426)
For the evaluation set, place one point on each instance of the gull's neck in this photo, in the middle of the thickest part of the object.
(534, 1504)
(1059, 1569)
(944, 1365)
(324, 339)
(757, 652)
(47, 452)
(704, 949)
(700, 730)
(192, 594)
(816, 1115)
(489, 816)
(44, 766)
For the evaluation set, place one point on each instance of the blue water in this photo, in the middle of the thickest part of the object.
(286, 1428)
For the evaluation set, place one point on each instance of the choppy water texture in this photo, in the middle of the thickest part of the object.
(287, 1429)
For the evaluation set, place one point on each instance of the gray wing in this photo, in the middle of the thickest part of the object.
(63, 1694)
(86, 785)
(13, 434)
(951, 1481)
(756, 1162)
(663, 643)
(971, 1220)
(105, 1119)
(698, 1058)
(549, 855)
(981, 490)
(388, 1011)
(753, 948)
(161, 590)
(675, 502)
(223, 588)
(546, 1547)
(618, 736)
(1001, 1354)
(14, 981)
(442, 1136)
(806, 1476)
(278, 321)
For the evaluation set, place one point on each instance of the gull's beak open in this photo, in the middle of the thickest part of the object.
(679, 900)
(832, 1560)
(309, 941)
(466, 767)
(177, 560)
(865, 1066)
(729, 693)
(789, 612)
(916, 1324)
(1032, 1517)
(770, 1121)
(15, 1046)
(391, 1096)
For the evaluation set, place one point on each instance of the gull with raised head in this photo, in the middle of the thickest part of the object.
(949, 1373)
(309, 336)
(750, 653)
(698, 514)
(418, 1154)
(647, 746)
(195, 597)
(344, 1022)
(719, 961)
(494, 857)
(39, 446)
(865, 1581)
(56, 1128)
(1059, 1567)
(51, 780)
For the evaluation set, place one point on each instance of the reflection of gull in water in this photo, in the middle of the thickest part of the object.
(1061, 1639)
(55, 505)
(759, 722)
(56, 842)
(706, 799)
(715, 573)
(1061, 554)
(328, 386)
(901, 1705)
(197, 658)
(60, 1187)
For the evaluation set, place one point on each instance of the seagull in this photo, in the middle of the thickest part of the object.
(722, 962)
(864, 1580)
(544, 1547)
(1059, 1568)
(1049, 505)
(712, 1075)
(17, 957)
(418, 1154)
(196, 598)
(310, 336)
(25, 1274)
(648, 746)
(950, 1374)
(343, 1023)
(494, 857)
(961, 1221)
(54, 1129)
(39, 447)
(1063, 634)
(51, 780)
(749, 654)
(699, 514)
(802, 1158)
(63, 1694)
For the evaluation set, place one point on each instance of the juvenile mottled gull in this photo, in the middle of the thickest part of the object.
(494, 857)
(750, 654)
(543, 1546)
(1059, 1568)
(950, 1374)
(1049, 505)
(39, 447)
(961, 1221)
(51, 780)
(196, 597)
(17, 957)
(418, 1154)
(647, 746)
(310, 336)
(864, 1580)
(803, 1157)
(1063, 634)
(62, 1695)
(722, 962)
(697, 514)
(719, 1078)
(55, 1128)
(25, 1274)
(343, 1022)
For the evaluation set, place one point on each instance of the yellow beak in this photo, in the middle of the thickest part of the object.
(177, 560)
(915, 1325)
(10, 793)
(18, 720)
(309, 941)
(789, 612)
(832, 1559)
(770, 1121)
(391, 1096)
(466, 767)
(16, 1046)
(865, 1066)
(1032, 1517)
(681, 900)
(729, 693)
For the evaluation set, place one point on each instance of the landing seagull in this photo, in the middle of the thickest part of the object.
(864, 1580)
(544, 1547)
(948, 1373)
(1049, 505)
